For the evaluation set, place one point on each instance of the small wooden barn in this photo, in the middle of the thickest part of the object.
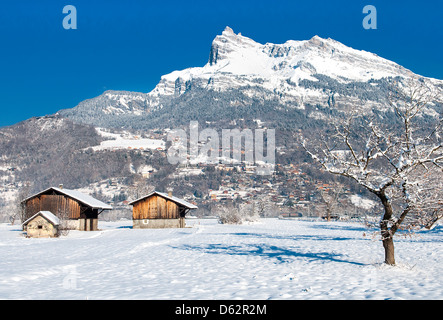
(79, 210)
(43, 224)
(160, 210)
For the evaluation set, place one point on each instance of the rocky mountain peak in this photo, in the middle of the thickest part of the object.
(228, 31)
(226, 43)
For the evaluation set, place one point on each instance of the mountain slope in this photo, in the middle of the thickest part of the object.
(48, 151)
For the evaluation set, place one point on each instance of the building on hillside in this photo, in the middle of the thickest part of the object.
(43, 224)
(160, 210)
(80, 211)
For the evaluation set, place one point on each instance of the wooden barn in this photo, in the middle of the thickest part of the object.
(160, 210)
(43, 224)
(79, 210)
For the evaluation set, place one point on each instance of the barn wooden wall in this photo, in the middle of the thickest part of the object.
(155, 207)
(57, 204)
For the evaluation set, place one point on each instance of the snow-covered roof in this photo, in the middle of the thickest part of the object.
(77, 195)
(46, 214)
(166, 196)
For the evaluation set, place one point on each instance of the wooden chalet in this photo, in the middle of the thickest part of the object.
(160, 210)
(79, 210)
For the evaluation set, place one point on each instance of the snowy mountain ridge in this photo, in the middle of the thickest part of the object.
(236, 55)
(241, 73)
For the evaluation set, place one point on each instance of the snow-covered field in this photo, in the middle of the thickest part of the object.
(126, 140)
(272, 259)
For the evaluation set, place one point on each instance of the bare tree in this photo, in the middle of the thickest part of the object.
(263, 207)
(331, 199)
(386, 158)
(430, 198)
(140, 188)
(237, 213)
(228, 214)
(64, 225)
(20, 207)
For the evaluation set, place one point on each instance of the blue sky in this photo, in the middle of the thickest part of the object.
(129, 45)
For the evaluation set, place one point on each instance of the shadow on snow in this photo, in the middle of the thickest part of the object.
(280, 254)
(294, 237)
(329, 226)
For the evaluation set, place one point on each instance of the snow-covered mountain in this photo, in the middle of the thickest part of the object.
(278, 66)
(292, 87)
(247, 78)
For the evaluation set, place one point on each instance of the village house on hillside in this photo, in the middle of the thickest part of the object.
(43, 224)
(160, 210)
(79, 210)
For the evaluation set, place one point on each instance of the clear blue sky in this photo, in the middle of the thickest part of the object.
(128, 45)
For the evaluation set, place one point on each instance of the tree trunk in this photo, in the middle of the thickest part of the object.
(388, 244)
(386, 234)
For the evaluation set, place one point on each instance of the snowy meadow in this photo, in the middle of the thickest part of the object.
(271, 259)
